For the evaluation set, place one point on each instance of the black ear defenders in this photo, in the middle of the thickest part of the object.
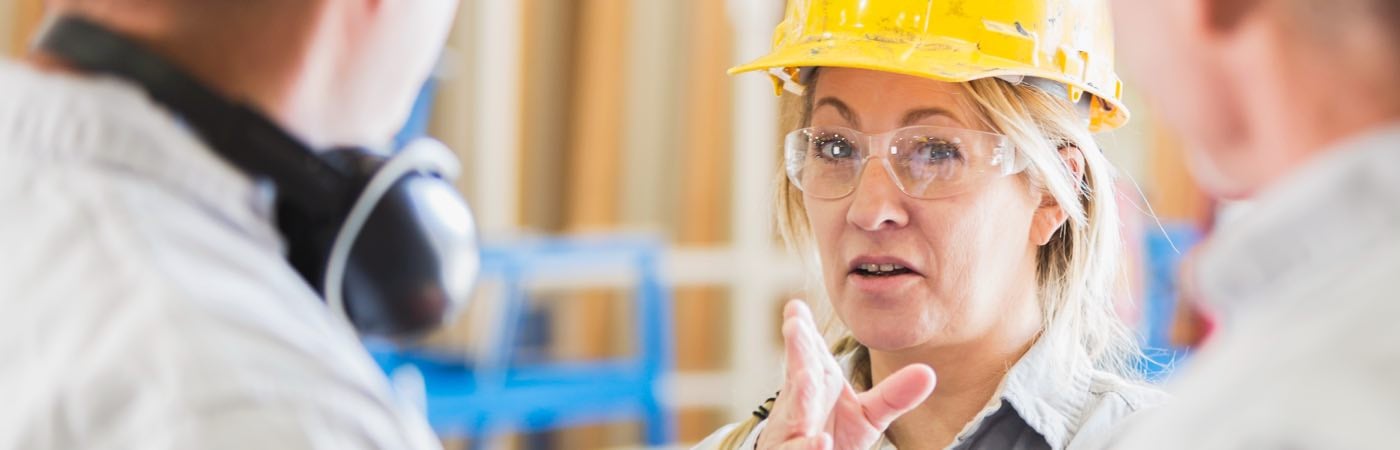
(386, 241)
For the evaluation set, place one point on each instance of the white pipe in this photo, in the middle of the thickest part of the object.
(496, 146)
(755, 360)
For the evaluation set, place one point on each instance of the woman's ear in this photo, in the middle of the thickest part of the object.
(1049, 217)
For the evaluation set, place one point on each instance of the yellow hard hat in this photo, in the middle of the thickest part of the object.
(1066, 42)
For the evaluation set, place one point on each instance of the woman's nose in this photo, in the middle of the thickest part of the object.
(877, 203)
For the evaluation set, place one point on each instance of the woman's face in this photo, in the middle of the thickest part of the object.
(970, 257)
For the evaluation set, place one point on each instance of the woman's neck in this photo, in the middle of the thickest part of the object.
(968, 376)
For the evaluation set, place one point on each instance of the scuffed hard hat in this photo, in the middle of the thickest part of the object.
(1067, 42)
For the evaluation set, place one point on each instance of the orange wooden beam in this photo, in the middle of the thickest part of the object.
(29, 14)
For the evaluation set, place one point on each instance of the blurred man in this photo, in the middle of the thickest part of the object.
(1293, 104)
(145, 301)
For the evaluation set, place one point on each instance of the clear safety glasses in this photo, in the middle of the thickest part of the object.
(925, 162)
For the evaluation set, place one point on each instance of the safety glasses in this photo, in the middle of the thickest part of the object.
(926, 162)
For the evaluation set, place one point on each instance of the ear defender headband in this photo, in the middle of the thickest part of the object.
(386, 241)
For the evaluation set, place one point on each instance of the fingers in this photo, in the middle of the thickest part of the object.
(897, 394)
(820, 356)
(822, 441)
(801, 402)
(818, 359)
(813, 380)
(799, 362)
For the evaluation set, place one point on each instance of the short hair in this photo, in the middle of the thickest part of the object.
(1341, 16)
(203, 9)
(1389, 13)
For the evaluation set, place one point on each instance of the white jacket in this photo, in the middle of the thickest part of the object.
(144, 300)
(1307, 355)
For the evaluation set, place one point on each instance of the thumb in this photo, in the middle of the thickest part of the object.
(897, 394)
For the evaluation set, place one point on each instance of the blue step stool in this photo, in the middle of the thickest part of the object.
(496, 393)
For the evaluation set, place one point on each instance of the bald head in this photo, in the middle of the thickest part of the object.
(1257, 88)
(192, 7)
(203, 12)
(335, 72)
(209, 22)
(1338, 16)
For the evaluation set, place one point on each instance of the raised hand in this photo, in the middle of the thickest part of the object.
(817, 407)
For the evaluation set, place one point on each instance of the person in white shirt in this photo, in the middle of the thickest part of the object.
(1293, 105)
(145, 299)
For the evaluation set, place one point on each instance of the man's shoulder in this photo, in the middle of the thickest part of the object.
(1318, 371)
(1115, 403)
(147, 279)
(98, 318)
(123, 264)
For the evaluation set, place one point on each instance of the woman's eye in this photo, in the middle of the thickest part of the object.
(834, 148)
(938, 151)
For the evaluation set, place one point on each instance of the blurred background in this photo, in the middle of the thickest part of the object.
(623, 183)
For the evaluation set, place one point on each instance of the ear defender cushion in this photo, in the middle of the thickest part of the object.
(406, 258)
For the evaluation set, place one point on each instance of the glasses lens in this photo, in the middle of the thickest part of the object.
(928, 162)
(933, 162)
(823, 163)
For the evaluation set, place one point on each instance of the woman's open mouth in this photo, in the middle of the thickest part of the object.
(880, 270)
(882, 274)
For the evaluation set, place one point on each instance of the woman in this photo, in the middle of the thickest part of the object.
(945, 181)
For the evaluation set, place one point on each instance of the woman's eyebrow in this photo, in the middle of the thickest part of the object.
(841, 108)
(915, 116)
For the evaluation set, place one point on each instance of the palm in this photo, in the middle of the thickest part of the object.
(849, 427)
(819, 409)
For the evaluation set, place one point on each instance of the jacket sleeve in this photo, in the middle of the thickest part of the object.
(308, 426)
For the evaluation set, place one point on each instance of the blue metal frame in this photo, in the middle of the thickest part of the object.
(1163, 264)
(417, 124)
(464, 400)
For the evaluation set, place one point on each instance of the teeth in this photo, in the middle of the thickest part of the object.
(880, 268)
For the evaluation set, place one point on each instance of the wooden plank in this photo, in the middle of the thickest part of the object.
(708, 131)
(694, 424)
(594, 160)
(593, 179)
(595, 136)
(705, 190)
(701, 319)
(28, 15)
(547, 51)
(1175, 196)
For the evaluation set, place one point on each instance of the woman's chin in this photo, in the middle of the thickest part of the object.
(890, 330)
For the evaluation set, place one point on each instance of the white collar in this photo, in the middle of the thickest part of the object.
(113, 125)
(1317, 221)
(1049, 392)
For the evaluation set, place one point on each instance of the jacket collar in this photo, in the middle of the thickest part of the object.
(112, 124)
(1317, 222)
(1049, 391)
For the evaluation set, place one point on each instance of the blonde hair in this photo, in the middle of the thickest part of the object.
(1076, 271)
